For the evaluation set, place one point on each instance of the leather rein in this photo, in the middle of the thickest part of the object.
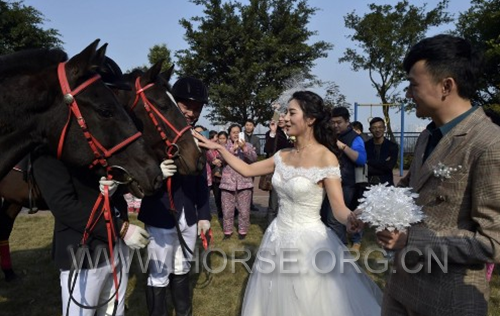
(100, 157)
(155, 116)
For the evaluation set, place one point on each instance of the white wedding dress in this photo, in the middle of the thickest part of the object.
(302, 268)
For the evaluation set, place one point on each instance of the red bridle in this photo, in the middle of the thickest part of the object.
(170, 145)
(153, 113)
(100, 153)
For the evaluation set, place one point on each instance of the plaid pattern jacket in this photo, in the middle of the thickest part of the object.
(462, 224)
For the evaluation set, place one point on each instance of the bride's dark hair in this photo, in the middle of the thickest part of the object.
(313, 107)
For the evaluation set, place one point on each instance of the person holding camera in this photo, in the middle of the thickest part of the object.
(236, 190)
(276, 139)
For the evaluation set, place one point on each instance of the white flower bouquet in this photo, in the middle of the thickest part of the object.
(388, 207)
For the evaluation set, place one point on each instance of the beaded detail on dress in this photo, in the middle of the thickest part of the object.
(300, 199)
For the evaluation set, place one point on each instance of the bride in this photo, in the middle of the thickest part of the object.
(302, 268)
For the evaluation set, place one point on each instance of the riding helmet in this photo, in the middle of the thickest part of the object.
(112, 75)
(189, 88)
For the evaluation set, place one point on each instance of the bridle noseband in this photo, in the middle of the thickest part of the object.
(172, 149)
(100, 153)
(153, 112)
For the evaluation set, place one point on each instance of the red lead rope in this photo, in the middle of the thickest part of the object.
(156, 116)
(100, 154)
(110, 228)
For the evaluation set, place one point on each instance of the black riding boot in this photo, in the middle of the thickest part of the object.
(181, 294)
(156, 299)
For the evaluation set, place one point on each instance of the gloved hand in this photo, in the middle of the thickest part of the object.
(203, 226)
(135, 237)
(112, 185)
(168, 168)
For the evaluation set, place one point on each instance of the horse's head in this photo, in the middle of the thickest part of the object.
(157, 115)
(108, 130)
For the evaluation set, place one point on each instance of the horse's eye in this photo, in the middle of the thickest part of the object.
(105, 113)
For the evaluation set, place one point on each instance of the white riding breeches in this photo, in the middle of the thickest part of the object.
(165, 254)
(95, 286)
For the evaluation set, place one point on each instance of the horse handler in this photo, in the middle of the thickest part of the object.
(171, 216)
(87, 286)
(91, 283)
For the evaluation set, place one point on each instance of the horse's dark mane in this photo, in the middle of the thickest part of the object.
(33, 59)
(135, 72)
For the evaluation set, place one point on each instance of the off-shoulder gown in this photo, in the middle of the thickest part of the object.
(302, 268)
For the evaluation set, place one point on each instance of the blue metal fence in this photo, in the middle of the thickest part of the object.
(409, 141)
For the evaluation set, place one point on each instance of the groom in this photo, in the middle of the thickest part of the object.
(440, 264)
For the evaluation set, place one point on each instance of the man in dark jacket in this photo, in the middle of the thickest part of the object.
(276, 139)
(70, 195)
(169, 264)
(253, 140)
(381, 154)
(353, 155)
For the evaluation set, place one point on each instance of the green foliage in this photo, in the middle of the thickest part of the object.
(481, 25)
(246, 53)
(333, 97)
(159, 52)
(383, 37)
(20, 28)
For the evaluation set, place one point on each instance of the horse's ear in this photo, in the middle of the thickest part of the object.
(165, 78)
(167, 74)
(84, 61)
(153, 72)
(100, 56)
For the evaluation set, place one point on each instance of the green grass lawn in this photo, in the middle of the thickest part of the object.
(38, 291)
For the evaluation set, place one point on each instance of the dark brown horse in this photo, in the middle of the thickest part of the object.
(147, 101)
(156, 114)
(63, 106)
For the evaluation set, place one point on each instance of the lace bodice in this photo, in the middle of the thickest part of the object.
(300, 196)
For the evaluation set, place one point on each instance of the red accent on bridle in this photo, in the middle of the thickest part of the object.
(152, 111)
(110, 228)
(100, 153)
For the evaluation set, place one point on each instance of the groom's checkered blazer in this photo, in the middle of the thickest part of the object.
(462, 222)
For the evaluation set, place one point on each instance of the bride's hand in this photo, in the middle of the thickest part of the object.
(354, 224)
(204, 142)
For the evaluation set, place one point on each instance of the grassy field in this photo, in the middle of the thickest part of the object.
(37, 292)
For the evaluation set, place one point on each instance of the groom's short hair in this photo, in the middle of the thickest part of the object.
(448, 56)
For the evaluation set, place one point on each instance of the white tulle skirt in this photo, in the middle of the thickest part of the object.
(307, 271)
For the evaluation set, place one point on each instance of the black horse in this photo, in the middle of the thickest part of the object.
(155, 113)
(40, 92)
(63, 106)
(147, 98)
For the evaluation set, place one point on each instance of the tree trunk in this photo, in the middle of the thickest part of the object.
(385, 109)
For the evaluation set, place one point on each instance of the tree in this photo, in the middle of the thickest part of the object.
(481, 25)
(333, 97)
(159, 52)
(384, 37)
(245, 53)
(20, 28)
